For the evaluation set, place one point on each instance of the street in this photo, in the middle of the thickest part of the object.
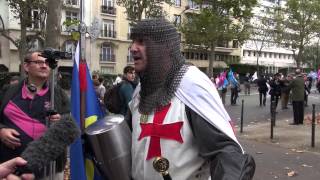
(288, 155)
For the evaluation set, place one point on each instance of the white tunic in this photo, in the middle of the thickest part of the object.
(184, 158)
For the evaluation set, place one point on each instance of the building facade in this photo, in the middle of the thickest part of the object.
(109, 53)
(272, 58)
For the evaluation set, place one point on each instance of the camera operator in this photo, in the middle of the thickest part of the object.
(24, 107)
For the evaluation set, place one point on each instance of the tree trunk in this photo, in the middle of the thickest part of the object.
(211, 59)
(23, 40)
(53, 30)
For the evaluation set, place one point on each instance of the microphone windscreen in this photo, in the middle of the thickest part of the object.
(50, 146)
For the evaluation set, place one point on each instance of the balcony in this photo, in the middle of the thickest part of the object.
(108, 34)
(108, 10)
(71, 5)
(105, 58)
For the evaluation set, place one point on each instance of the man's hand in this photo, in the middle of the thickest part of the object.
(8, 167)
(9, 137)
(55, 117)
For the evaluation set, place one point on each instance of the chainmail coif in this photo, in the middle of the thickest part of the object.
(165, 63)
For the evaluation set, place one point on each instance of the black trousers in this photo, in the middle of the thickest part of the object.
(234, 96)
(298, 112)
(262, 94)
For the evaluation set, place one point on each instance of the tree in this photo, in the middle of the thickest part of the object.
(217, 21)
(23, 11)
(261, 34)
(297, 24)
(135, 9)
(53, 30)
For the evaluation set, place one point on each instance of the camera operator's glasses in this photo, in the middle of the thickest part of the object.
(39, 62)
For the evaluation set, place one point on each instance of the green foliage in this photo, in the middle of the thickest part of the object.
(297, 24)
(217, 21)
(150, 8)
(75, 35)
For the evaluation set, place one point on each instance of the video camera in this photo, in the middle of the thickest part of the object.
(52, 55)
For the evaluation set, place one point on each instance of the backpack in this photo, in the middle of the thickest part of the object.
(113, 100)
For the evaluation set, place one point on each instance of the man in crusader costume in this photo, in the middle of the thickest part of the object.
(177, 116)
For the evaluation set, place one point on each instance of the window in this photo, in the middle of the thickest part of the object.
(71, 2)
(108, 3)
(275, 55)
(108, 29)
(34, 44)
(270, 55)
(265, 54)
(129, 57)
(70, 47)
(129, 31)
(235, 44)
(193, 5)
(34, 22)
(177, 19)
(0, 50)
(108, 7)
(249, 53)
(177, 3)
(106, 53)
(254, 53)
(72, 15)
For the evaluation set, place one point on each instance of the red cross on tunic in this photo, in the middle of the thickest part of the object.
(157, 130)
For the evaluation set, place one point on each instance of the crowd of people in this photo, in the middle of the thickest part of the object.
(292, 88)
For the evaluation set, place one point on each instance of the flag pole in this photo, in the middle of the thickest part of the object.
(82, 30)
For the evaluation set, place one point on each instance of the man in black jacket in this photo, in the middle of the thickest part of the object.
(178, 119)
(24, 107)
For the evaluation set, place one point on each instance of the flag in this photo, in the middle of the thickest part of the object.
(222, 78)
(231, 78)
(255, 76)
(81, 82)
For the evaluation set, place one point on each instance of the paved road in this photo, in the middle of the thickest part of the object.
(253, 113)
(273, 162)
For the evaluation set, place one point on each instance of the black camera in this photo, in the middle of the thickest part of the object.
(51, 53)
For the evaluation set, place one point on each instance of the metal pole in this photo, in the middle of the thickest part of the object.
(241, 120)
(82, 43)
(313, 126)
(272, 118)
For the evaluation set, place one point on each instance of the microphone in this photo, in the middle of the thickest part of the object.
(49, 147)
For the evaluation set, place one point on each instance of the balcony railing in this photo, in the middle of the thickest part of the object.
(107, 58)
(107, 33)
(108, 10)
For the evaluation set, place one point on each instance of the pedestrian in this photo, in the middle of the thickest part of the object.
(306, 90)
(9, 167)
(285, 91)
(275, 89)
(222, 85)
(24, 107)
(100, 91)
(234, 87)
(126, 89)
(297, 87)
(247, 86)
(178, 119)
(263, 89)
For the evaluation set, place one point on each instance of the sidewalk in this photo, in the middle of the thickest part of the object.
(284, 135)
(288, 156)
